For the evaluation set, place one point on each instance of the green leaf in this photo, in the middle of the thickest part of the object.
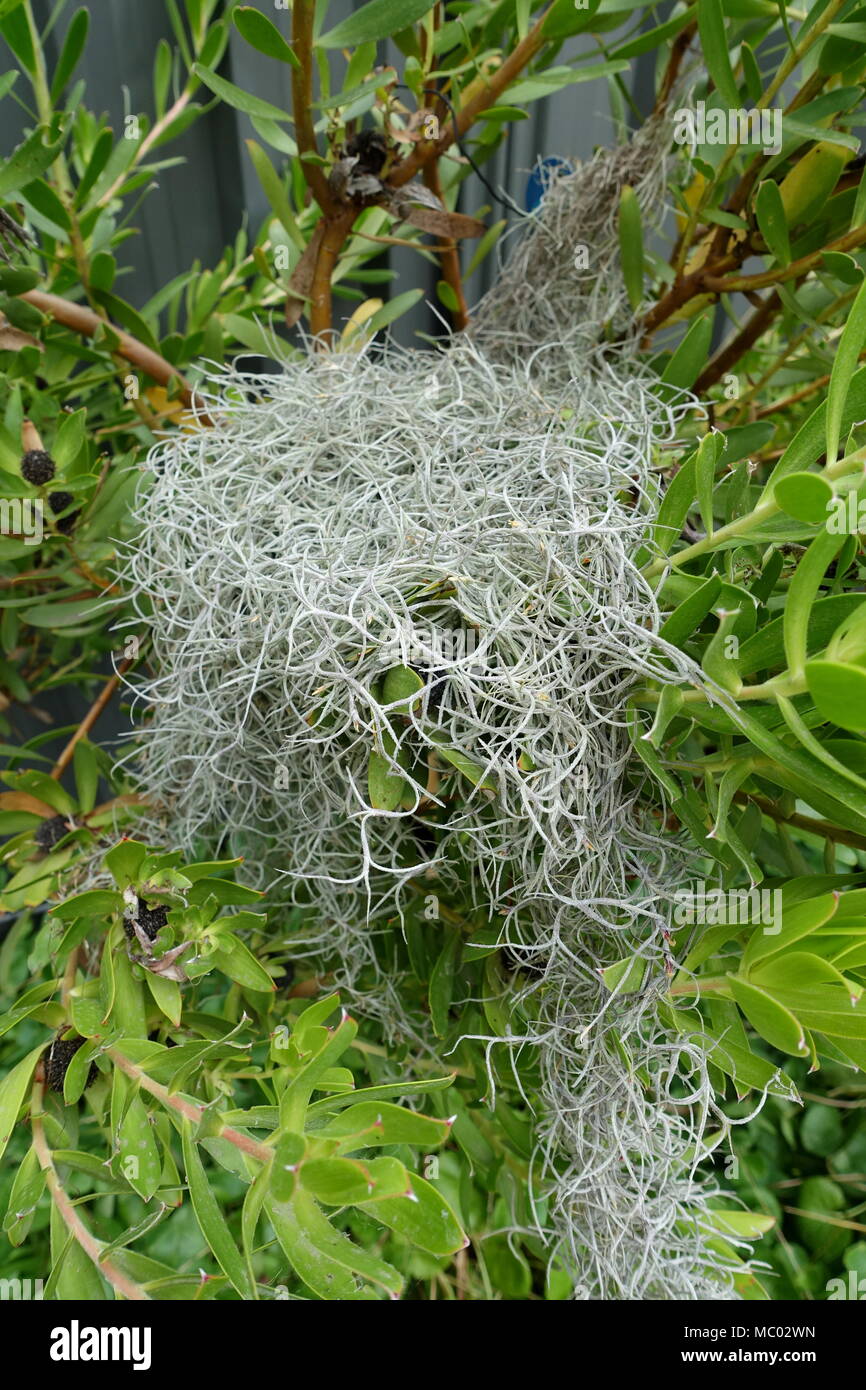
(94, 902)
(565, 18)
(844, 366)
(344, 1181)
(798, 922)
(839, 691)
(805, 496)
(384, 1092)
(74, 1276)
(485, 246)
(631, 246)
(313, 1017)
(714, 47)
(394, 309)
(425, 1218)
(809, 442)
(802, 592)
(447, 296)
(377, 20)
(765, 649)
(675, 507)
(275, 193)
(166, 995)
(73, 47)
(77, 614)
(689, 614)
(124, 997)
(371, 1124)
(295, 1098)
(238, 98)
(27, 1188)
(747, 1224)
(385, 787)
(125, 860)
(441, 987)
(289, 1151)
(400, 683)
(800, 970)
(211, 1221)
(86, 775)
(138, 1157)
(473, 771)
(240, 965)
(325, 1259)
(820, 786)
(543, 84)
(262, 34)
(826, 1009)
(13, 1089)
(709, 453)
(17, 33)
(31, 158)
(770, 212)
(626, 976)
(689, 359)
(770, 1018)
(16, 279)
(821, 1131)
(748, 1071)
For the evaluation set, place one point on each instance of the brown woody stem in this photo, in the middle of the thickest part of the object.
(89, 719)
(726, 359)
(188, 1108)
(336, 232)
(449, 256)
(71, 1220)
(303, 13)
(481, 93)
(85, 321)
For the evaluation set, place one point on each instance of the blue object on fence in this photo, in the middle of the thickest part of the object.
(539, 179)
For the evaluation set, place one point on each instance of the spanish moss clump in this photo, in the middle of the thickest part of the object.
(561, 289)
(470, 517)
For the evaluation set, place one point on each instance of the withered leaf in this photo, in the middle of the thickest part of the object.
(440, 222)
(301, 281)
(11, 338)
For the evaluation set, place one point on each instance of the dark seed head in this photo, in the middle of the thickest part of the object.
(150, 919)
(58, 502)
(286, 978)
(56, 1058)
(38, 467)
(371, 147)
(50, 832)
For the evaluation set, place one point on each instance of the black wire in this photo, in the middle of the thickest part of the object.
(505, 201)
